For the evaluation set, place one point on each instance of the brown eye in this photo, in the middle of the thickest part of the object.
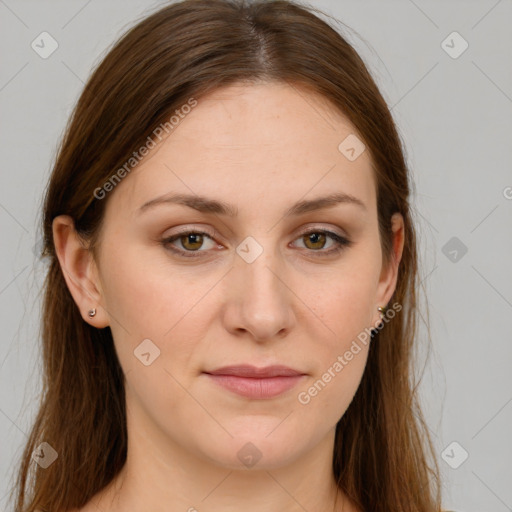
(317, 240)
(192, 241)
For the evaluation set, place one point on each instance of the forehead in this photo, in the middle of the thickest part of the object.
(253, 143)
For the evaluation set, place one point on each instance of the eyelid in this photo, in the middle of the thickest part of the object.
(194, 228)
(321, 229)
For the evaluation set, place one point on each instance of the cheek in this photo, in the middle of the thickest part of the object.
(339, 348)
(138, 294)
(344, 306)
(343, 316)
(339, 342)
(145, 301)
(329, 394)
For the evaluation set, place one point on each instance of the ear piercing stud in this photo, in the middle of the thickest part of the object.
(92, 312)
(382, 310)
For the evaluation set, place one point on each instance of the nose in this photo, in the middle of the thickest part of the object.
(260, 301)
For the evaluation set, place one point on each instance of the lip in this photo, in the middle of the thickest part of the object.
(257, 383)
(248, 370)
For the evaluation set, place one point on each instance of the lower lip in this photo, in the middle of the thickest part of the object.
(256, 388)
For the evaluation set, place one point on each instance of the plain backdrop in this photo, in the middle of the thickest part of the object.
(444, 67)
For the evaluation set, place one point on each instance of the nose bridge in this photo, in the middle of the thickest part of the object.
(261, 294)
(259, 265)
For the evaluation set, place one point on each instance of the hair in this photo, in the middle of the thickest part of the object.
(383, 456)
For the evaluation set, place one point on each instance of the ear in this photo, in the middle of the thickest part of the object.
(389, 274)
(79, 270)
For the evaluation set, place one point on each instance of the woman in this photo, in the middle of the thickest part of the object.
(230, 306)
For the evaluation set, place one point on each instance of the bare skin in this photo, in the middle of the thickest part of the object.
(261, 148)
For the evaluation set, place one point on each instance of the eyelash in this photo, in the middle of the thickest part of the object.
(341, 243)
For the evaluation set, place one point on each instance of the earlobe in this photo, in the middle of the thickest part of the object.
(77, 264)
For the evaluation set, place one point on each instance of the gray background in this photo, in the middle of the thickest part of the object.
(454, 115)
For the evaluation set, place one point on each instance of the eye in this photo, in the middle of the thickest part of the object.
(191, 241)
(315, 240)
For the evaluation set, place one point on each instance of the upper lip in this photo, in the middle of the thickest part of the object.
(247, 370)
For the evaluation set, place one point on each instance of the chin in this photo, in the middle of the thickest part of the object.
(254, 450)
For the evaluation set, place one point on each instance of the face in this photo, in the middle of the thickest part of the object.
(187, 292)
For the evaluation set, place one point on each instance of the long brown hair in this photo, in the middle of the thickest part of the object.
(383, 455)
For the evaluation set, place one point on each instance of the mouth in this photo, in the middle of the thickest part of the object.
(256, 383)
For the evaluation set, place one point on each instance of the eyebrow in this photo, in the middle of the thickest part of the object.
(207, 205)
